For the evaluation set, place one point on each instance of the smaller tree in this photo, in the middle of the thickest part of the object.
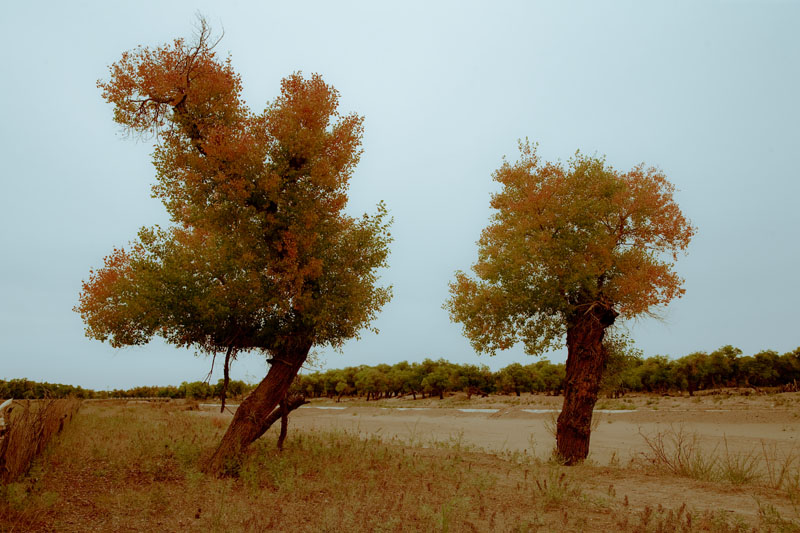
(788, 368)
(438, 379)
(657, 374)
(514, 378)
(619, 372)
(761, 370)
(691, 372)
(474, 379)
(569, 250)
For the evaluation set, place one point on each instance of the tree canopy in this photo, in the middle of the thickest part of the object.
(564, 239)
(260, 245)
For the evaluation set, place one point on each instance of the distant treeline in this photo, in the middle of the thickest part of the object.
(197, 390)
(625, 372)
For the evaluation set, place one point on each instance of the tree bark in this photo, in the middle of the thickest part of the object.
(284, 412)
(291, 404)
(226, 378)
(251, 420)
(586, 357)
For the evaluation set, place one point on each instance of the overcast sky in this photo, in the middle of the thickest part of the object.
(706, 91)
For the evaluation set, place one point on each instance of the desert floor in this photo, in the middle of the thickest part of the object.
(712, 463)
(724, 427)
(525, 424)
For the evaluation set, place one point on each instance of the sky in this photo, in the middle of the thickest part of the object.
(705, 91)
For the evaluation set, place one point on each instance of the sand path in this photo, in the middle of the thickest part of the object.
(617, 435)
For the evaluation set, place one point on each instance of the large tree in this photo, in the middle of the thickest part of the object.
(260, 255)
(570, 249)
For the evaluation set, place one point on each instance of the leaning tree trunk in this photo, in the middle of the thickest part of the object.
(586, 357)
(253, 418)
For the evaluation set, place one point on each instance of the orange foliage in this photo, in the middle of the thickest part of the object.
(260, 245)
(565, 239)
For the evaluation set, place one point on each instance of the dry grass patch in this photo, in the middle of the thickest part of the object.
(679, 452)
(136, 468)
(30, 426)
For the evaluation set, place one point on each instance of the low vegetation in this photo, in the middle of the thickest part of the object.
(135, 467)
(29, 427)
(679, 452)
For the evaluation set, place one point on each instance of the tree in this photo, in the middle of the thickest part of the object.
(547, 376)
(658, 374)
(437, 378)
(690, 372)
(723, 365)
(370, 381)
(621, 362)
(260, 255)
(474, 379)
(761, 370)
(514, 378)
(569, 250)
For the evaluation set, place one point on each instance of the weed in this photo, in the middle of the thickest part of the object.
(663, 520)
(625, 405)
(680, 453)
(738, 468)
(551, 424)
(782, 471)
(453, 442)
(557, 488)
(614, 460)
(771, 517)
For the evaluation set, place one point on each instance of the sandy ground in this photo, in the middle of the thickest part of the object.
(509, 424)
(721, 424)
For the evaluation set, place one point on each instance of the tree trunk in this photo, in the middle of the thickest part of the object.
(251, 419)
(291, 404)
(226, 378)
(284, 411)
(586, 357)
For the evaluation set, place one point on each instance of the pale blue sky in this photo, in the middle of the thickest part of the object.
(707, 91)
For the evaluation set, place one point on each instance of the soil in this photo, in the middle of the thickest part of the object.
(721, 425)
(745, 423)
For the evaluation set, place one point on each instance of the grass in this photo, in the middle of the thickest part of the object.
(680, 453)
(660, 519)
(31, 425)
(135, 467)
(616, 405)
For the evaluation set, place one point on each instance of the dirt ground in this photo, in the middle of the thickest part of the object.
(722, 425)
(525, 424)
(446, 465)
